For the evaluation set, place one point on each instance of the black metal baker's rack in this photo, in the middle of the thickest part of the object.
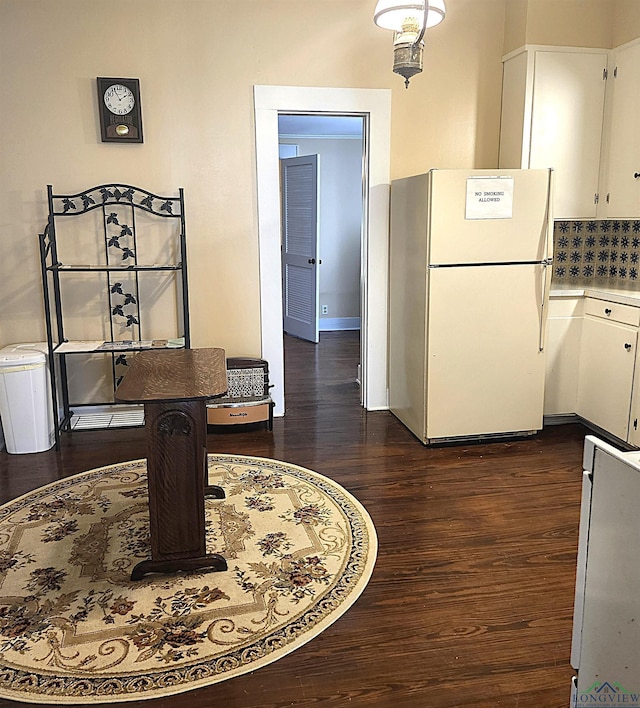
(121, 207)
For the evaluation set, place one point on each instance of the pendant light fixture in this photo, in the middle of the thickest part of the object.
(409, 21)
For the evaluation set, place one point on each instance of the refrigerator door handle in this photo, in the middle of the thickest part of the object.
(547, 264)
(549, 230)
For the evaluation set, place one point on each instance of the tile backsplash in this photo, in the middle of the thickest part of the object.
(603, 253)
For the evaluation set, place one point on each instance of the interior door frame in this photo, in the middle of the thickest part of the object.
(375, 106)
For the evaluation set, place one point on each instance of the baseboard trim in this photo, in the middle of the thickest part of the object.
(338, 324)
(561, 419)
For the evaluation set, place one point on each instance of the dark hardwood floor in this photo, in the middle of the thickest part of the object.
(471, 600)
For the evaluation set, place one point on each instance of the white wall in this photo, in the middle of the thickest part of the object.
(600, 24)
(197, 108)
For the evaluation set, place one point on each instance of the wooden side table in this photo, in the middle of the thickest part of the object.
(174, 385)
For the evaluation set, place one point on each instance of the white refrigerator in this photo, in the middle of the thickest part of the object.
(470, 269)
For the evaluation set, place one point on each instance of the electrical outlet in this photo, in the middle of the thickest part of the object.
(325, 310)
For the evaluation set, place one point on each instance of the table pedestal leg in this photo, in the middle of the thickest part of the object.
(176, 468)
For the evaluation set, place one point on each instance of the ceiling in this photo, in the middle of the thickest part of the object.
(319, 125)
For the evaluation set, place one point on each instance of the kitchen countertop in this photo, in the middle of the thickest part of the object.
(622, 297)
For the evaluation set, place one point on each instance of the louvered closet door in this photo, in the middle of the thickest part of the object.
(299, 188)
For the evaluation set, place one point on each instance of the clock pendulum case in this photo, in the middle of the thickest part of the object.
(120, 110)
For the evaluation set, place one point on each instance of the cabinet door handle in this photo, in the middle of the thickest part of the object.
(636, 175)
(627, 346)
(312, 261)
(607, 311)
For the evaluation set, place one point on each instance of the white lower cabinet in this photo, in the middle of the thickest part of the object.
(562, 345)
(593, 363)
(607, 364)
(634, 417)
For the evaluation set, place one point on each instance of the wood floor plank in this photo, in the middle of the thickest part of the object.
(471, 599)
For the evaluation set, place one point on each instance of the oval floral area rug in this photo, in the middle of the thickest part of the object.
(75, 629)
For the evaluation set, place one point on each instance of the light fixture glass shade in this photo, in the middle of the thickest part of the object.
(391, 14)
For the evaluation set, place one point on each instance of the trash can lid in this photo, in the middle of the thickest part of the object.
(22, 354)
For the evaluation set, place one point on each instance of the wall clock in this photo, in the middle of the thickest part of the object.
(120, 110)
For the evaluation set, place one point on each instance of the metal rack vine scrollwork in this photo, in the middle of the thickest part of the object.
(120, 205)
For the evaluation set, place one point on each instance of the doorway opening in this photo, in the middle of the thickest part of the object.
(323, 171)
(375, 106)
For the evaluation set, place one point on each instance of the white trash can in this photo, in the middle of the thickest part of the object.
(25, 399)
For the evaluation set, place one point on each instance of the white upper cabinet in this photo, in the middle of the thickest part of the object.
(620, 184)
(552, 116)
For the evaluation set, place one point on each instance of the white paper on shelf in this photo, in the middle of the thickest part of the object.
(78, 345)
